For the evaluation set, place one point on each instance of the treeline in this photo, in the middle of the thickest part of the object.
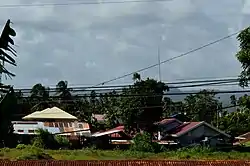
(137, 106)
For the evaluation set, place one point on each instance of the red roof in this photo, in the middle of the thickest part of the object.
(167, 121)
(185, 127)
(113, 132)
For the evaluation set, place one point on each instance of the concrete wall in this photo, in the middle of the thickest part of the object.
(199, 133)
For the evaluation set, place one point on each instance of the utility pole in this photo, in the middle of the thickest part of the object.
(159, 62)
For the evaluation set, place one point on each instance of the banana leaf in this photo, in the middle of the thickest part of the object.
(11, 41)
(4, 70)
(6, 60)
(7, 56)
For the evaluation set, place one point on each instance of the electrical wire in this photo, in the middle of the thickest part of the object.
(151, 95)
(117, 90)
(171, 59)
(78, 3)
(109, 87)
(131, 82)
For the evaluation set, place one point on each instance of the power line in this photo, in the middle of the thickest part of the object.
(153, 95)
(108, 87)
(120, 89)
(78, 3)
(131, 82)
(170, 59)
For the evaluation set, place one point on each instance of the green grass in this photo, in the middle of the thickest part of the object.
(89, 154)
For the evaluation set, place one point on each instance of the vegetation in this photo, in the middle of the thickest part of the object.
(46, 140)
(90, 154)
(143, 143)
(137, 106)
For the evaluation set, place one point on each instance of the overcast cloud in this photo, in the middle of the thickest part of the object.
(89, 44)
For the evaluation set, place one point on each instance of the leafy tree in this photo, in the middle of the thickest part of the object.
(142, 104)
(112, 108)
(63, 90)
(236, 123)
(202, 106)
(170, 107)
(243, 56)
(39, 91)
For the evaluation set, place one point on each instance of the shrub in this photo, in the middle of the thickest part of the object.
(143, 143)
(38, 142)
(21, 146)
(62, 141)
(45, 140)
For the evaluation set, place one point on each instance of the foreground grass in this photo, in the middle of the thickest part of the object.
(88, 154)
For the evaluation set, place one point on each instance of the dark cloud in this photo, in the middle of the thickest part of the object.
(87, 44)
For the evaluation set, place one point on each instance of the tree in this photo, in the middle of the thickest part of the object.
(5, 39)
(63, 90)
(243, 56)
(8, 106)
(236, 123)
(202, 106)
(8, 102)
(39, 91)
(142, 104)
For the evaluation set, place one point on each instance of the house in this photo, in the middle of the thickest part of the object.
(186, 133)
(115, 136)
(60, 128)
(50, 114)
(55, 120)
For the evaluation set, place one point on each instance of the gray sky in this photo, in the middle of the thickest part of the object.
(88, 44)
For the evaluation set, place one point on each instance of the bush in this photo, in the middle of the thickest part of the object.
(38, 142)
(45, 140)
(143, 143)
(21, 146)
(62, 141)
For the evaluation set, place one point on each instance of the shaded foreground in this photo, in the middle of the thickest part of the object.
(124, 163)
(90, 154)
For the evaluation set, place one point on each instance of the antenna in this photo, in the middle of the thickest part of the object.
(159, 62)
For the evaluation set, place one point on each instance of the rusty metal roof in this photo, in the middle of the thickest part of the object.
(65, 128)
(125, 163)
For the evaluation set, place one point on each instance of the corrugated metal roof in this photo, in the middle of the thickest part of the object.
(126, 163)
(50, 113)
(185, 127)
(167, 121)
(108, 132)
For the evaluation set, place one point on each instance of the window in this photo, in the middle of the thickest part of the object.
(70, 124)
(60, 124)
(66, 124)
(21, 131)
(80, 126)
(56, 124)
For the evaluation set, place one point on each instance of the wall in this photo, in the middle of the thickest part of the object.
(197, 134)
